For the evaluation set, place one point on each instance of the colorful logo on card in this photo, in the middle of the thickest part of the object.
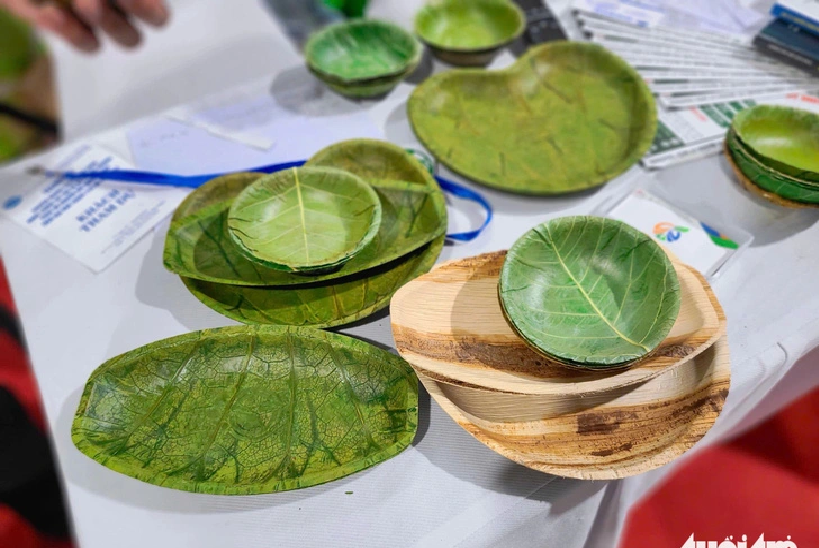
(669, 232)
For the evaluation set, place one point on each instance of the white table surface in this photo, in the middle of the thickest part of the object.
(445, 490)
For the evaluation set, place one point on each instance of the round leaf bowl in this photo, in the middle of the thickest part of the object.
(589, 292)
(573, 116)
(362, 57)
(469, 32)
(783, 138)
(305, 219)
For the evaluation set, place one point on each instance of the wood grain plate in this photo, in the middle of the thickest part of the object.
(631, 432)
(449, 326)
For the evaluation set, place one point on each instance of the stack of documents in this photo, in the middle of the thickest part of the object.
(700, 78)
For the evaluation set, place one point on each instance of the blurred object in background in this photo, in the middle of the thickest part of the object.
(301, 17)
(27, 98)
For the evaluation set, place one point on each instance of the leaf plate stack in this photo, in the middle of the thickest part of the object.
(572, 419)
(774, 151)
(409, 239)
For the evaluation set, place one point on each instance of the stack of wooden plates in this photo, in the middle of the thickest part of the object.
(321, 245)
(587, 423)
(774, 152)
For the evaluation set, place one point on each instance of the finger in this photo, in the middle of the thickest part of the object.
(66, 26)
(153, 12)
(98, 13)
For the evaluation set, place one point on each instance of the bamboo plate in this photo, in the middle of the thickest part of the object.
(461, 337)
(751, 187)
(632, 432)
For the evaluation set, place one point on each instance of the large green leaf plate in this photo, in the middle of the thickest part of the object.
(344, 300)
(247, 410)
(768, 179)
(469, 32)
(589, 291)
(413, 213)
(359, 50)
(304, 219)
(784, 138)
(565, 117)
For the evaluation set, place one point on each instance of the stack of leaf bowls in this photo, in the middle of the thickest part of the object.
(774, 151)
(362, 58)
(321, 245)
(584, 351)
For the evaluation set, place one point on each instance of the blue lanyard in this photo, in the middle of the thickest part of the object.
(195, 181)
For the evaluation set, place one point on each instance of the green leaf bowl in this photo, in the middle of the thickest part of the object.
(247, 410)
(361, 50)
(590, 292)
(784, 138)
(304, 219)
(413, 213)
(327, 301)
(469, 32)
(768, 179)
(573, 116)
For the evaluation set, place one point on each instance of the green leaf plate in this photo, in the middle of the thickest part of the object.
(359, 50)
(247, 411)
(413, 213)
(783, 138)
(589, 291)
(304, 219)
(469, 32)
(344, 300)
(573, 116)
(766, 178)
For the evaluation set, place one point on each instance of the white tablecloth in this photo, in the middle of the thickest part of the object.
(447, 489)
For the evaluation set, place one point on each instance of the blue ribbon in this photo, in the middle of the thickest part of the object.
(195, 181)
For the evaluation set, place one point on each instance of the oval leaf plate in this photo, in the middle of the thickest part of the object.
(247, 411)
(304, 219)
(784, 138)
(573, 117)
(589, 291)
(198, 246)
(347, 299)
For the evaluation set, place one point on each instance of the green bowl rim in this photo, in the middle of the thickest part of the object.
(738, 146)
(484, 49)
(409, 66)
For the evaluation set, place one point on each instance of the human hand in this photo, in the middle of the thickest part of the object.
(79, 22)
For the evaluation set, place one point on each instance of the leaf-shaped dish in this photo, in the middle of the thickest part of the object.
(465, 341)
(325, 304)
(574, 116)
(632, 431)
(768, 179)
(469, 32)
(242, 411)
(753, 188)
(784, 138)
(356, 51)
(350, 298)
(589, 291)
(304, 219)
(198, 246)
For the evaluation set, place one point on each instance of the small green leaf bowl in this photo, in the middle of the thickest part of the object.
(767, 178)
(362, 57)
(785, 139)
(307, 219)
(589, 292)
(469, 32)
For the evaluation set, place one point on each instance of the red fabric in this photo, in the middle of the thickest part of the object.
(6, 300)
(16, 376)
(15, 532)
(765, 482)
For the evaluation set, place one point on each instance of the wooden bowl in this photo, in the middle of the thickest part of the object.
(461, 338)
(630, 432)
